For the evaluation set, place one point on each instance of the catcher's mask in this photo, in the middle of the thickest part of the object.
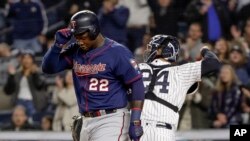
(169, 45)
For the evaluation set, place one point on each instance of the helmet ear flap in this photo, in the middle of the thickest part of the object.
(93, 32)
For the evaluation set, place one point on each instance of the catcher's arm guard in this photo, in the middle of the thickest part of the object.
(76, 128)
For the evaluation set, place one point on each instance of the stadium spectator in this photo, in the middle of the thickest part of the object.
(244, 13)
(240, 38)
(194, 41)
(27, 20)
(238, 59)
(19, 121)
(66, 103)
(136, 28)
(52, 11)
(50, 3)
(214, 17)
(235, 32)
(47, 122)
(226, 100)
(7, 57)
(140, 51)
(42, 39)
(26, 85)
(242, 3)
(222, 50)
(231, 7)
(73, 6)
(246, 33)
(246, 102)
(165, 13)
(113, 20)
(3, 24)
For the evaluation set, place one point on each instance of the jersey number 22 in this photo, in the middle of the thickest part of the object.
(98, 85)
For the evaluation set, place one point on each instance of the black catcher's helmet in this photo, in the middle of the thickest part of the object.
(170, 48)
(85, 21)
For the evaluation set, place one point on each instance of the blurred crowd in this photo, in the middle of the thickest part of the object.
(31, 100)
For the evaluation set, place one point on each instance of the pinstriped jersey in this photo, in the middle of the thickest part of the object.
(172, 84)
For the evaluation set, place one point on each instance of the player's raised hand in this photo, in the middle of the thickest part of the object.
(135, 130)
(203, 50)
(204, 47)
(63, 36)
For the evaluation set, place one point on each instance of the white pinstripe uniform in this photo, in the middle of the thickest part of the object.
(172, 84)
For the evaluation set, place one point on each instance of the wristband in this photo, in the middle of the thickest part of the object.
(136, 114)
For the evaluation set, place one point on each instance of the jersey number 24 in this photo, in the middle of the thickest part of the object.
(164, 83)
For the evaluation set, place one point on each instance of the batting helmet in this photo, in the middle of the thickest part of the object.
(170, 48)
(85, 21)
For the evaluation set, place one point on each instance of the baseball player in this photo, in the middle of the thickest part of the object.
(166, 85)
(102, 71)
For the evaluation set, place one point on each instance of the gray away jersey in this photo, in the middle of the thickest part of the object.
(172, 84)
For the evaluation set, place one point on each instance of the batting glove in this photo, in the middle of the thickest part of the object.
(135, 130)
(62, 36)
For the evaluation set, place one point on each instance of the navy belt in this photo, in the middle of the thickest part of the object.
(164, 125)
(160, 125)
(99, 113)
